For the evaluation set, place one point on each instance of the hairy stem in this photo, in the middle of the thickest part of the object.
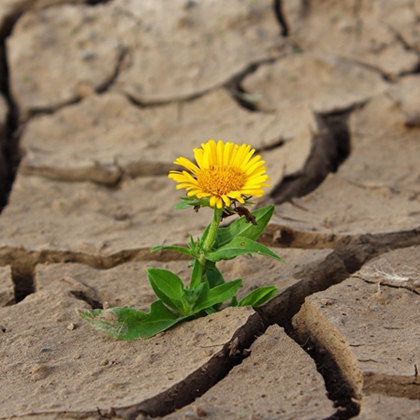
(208, 242)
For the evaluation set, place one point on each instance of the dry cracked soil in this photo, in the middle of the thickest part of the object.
(97, 99)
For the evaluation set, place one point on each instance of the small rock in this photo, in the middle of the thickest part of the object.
(413, 120)
(199, 411)
(71, 326)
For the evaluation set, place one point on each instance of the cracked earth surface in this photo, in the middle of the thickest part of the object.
(97, 99)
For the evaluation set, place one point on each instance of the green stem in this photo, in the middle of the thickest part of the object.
(208, 243)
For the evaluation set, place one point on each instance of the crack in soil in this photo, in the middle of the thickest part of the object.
(97, 174)
(23, 278)
(11, 19)
(9, 138)
(281, 309)
(103, 88)
(11, 147)
(24, 262)
(415, 70)
(337, 267)
(234, 86)
(399, 37)
(392, 385)
(186, 391)
(330, 148)
(353, 252)
(348, 257)
(203, 379)
(281, 18)
(338, 389)
(108, 83)
(390, 78)
(245, 99)
(95, 2)
(286, 237)
(350, 253)
(362, 249)
(94, 303)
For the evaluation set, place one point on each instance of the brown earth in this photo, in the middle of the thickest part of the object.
(98, 98)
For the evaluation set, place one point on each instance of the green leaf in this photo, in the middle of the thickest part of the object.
(258, 296)
(212, 274)
(192, 295)
(196, 274)
(239, 246)
(218, 294)
(211, 310)
(168, 287)
(168, 282)
(188, 202)
(182, 205)
(130, 324)
(180, 249)
(160, 319)
(247, 230)
(204, 237)
(234, 301)
(120, 323)
(192, 245)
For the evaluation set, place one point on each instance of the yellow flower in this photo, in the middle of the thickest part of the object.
(224, 172)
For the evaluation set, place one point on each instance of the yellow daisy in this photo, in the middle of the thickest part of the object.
(224, 172)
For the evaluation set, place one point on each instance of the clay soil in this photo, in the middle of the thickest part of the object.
(98, 98)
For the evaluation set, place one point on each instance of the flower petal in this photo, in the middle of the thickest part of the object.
(187, 164)
(223, 172)
(226, 200)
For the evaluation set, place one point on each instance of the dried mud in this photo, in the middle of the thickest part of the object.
(97, 99)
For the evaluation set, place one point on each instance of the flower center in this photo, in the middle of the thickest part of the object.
(221, 180)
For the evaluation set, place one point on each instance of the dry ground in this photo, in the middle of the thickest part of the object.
(99, 98)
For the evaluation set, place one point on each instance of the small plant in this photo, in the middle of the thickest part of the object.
(224, 178)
